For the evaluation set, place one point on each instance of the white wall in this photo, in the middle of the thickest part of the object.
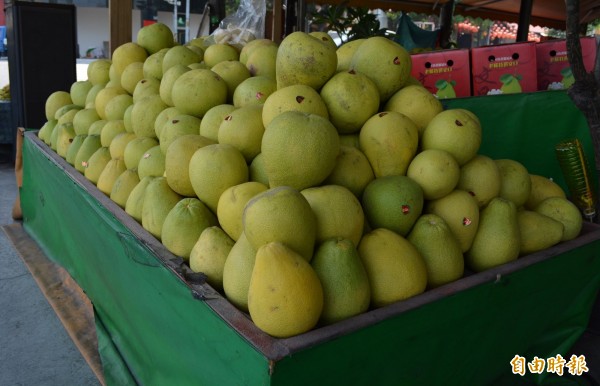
(93, 27)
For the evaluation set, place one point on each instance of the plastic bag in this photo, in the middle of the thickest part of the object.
(246, 24)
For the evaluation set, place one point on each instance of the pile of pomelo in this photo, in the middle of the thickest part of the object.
(309, 183)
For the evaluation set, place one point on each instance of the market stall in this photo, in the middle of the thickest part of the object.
(158, 323)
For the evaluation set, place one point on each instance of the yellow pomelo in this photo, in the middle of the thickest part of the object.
(338, 212)
(55, 101)
(263, 62)
(155, 37)
(104, 96)
(184, 224)
(177, 161)
(213, 169)
(460, 211)
(220, 52)
(281, 214)
(90, 98)
(209, 127)
(386, 62)
(304, 59)
(119, 143)
(344, 54)
(252, 45)
(393, 202)
(153, 64)
(542, 188)
(440, 250)
(97, 71)
(456, 131)
(436, 171)
(74, 148)
(253, 91)
(232, 202)
(163, 117)
(564, 211)
(352, 170)
(538, 231)
(176, 127)
(417, 103)
(132, 74)
(64, 137)
(116, 107)
(96, 164)
(299, 150)
(144, 88)
(497, 240)
(389, 140)
(127, 53)
(210, 253)
(233, 73)
(135, 149)
(144, 113)
(83, 119)
(123, 186)
(165, 90)
(188, 100)
(243, 128)
(89, 146)
(325, 37)
(351, 99)
(135, 200)
(297, 97)
(179, 55)
(47, 128)
(159, 199)
(113, 169)
(285, 297)
(515, 181)
(395, 268)
(96, 127)
(257, 170)
(152, 163)
(110, 130)
(237, 272)
(481, 178)
(346, 289)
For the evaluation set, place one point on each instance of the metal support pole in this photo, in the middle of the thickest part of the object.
(524, 20)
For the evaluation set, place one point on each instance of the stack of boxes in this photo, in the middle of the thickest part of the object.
(501, 69)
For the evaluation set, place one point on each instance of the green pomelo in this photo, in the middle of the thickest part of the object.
(352, 170)
(46, 130)
(481, 178)
(104, 96)
(542, 188)
(232, 202)
(389, 140)
(213, 169)
(210, 253)
(97, 126)
(252, 45)
(299, 150)
(90, 99)
(237, 272)
(135, 200)
(83, 119)
(233, 73)
(110, 130)
(386, 62)
(152, 67)
(345, 52)
(145, 88)
(119, 143)
(166, 84)
(417, 103)
(515, 181)
(79, 91)
(263, 62)
(159, 199)
(123, 186)
(55, 101)
(299, 97)
(304, 59)
(144, 114)
(187, 97)
(176, 127)
(538, 231)
(163, 117)
(346, 289)
(456, 131)
(209, 127)
(216, 53)
(564, 211)
(65, 137)
(125, 54)
(152, 163)
(257, 170)
(177, 160)
(460, 211)
(254, 90)
(393, 202)
(135, 149)
(436, 171)
(281, 214)
(90, 145)
(74, 148)
(441, 251)
(97, 71)
(132, 74)
(96, 164)
(351, 99)
(183, 225)
(243, 128)
(155, 37)
(179, 55)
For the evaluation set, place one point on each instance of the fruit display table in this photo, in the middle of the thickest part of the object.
(158, 324)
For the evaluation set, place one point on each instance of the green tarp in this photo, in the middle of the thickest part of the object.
(156, 329)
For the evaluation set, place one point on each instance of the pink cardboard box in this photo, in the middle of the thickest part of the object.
(504, 69)
(447, 73)
(553, 67)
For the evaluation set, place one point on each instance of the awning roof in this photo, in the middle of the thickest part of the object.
(547, 13)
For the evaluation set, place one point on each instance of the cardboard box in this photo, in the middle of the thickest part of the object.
(504, 69)
(447, 73)
(553, 67)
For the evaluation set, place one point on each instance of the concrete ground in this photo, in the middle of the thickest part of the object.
(35, 349)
